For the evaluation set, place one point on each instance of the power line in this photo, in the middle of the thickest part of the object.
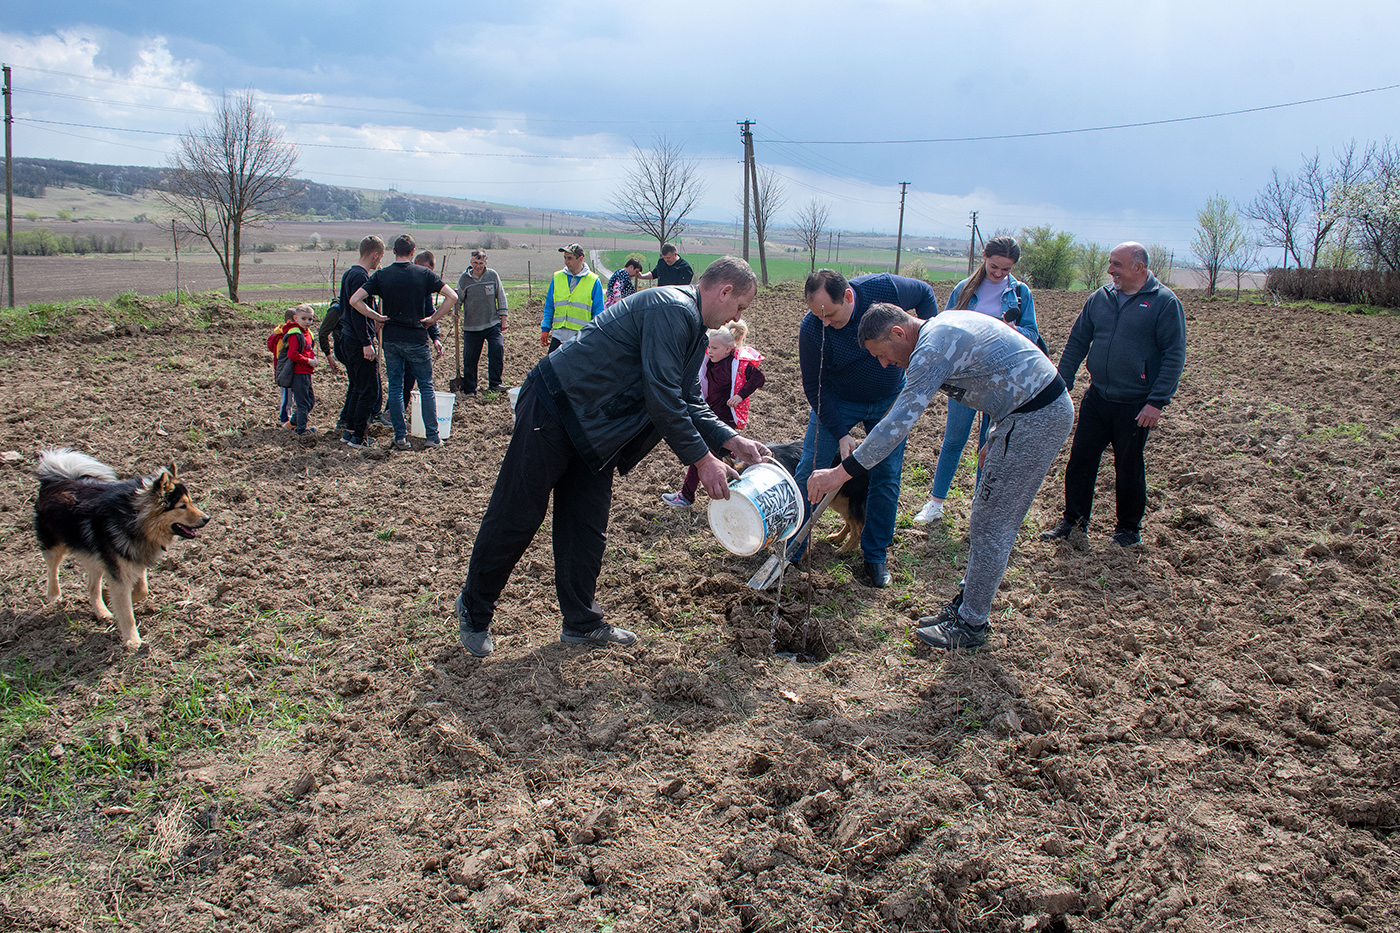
(1085, 129)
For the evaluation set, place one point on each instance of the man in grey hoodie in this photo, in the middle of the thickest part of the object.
(1131, 336)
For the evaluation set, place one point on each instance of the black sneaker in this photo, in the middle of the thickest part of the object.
(359, 443)
(600, 637)
(1060, 532)
(954, 634)
(477, 643)
(947, 614)
(1125, 538)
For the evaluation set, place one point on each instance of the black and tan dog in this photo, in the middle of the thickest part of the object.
(116, 529)
(849, 502)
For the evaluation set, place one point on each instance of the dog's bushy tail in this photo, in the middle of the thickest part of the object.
(62, 463)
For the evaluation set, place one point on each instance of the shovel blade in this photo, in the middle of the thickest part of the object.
(768, 574)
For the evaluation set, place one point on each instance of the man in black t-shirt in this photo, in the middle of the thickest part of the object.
(404, 289)
(671, 270)
(362, 392)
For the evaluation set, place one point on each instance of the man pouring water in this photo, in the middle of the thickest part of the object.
(598, 404)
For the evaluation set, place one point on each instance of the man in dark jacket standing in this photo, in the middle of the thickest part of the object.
(596, 404)
(1131, 336)
(362, 393)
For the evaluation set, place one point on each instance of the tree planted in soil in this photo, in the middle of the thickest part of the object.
(231, 173)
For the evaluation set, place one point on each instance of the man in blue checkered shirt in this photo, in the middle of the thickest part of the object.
(847, 386)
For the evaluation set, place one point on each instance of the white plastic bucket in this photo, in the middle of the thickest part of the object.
(513, 393)
(764, 506)
(444, 414)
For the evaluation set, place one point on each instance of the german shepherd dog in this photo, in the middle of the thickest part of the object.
(849, 502)
(116, 529)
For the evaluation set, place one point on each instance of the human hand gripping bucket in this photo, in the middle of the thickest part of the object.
(764, 506)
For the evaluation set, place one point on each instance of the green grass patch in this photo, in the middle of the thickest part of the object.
(784, 268)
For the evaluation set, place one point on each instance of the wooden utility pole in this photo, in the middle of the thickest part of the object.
(175, 240)
(748, 157)
(757, 212)
(972, 243)
(899, 239)
(9, 199)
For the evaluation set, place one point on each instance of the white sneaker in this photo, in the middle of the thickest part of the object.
(931, 512)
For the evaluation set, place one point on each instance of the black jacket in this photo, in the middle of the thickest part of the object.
(631, 380)
(1135, 354)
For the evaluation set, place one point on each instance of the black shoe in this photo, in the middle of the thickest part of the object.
(500, 388)
(600, 637)
(947, 614)
(1125, 538)
(478, 643)
(954, 634)
(1059, 532)
(876, 574)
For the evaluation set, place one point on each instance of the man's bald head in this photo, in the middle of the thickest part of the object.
(1127, 266)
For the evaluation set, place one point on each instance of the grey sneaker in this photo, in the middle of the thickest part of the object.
(954, 634)
(359, 443)
(400, 443)
(478, 643)
(675, 500)
(432, 442)
(600, 637)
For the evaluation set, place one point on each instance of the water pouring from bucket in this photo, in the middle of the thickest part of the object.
(763, 508)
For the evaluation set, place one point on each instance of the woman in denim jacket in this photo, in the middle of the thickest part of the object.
(994, 291)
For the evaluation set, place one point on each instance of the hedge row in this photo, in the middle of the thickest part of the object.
(1343, 286)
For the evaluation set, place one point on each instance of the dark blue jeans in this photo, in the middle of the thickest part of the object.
(416, 358)
(883, 501)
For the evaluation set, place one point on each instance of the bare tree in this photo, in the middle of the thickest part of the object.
(1162, 262)
(1319, 187)
(811, 224)
(1219, 234)
(772, 197)
(1279, 208)
(1244, 258)
(1093, 261)
(659, 191)
(233, 172)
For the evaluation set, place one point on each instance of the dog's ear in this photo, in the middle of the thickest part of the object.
(164, 482)
(171, 470)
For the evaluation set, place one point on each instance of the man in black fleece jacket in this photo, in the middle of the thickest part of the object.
(1131, 336)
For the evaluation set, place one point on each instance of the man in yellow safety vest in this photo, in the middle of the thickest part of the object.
(574, 297)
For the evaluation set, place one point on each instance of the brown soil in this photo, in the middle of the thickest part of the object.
(1199, 734)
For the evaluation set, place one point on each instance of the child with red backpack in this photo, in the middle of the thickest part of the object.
(729, 374)
(293, 362)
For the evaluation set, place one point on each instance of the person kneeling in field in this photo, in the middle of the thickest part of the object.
(986, 365)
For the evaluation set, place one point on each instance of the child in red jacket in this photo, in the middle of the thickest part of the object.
(295, 333)
(729, 374)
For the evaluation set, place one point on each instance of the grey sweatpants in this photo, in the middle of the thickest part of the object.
(1020, 451)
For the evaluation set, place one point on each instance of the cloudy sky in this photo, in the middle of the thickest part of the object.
(540, 104)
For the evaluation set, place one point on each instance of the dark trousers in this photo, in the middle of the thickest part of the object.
(1102, 423)
(305, 400)
(362, 399)
(471, 356)
(541, 458)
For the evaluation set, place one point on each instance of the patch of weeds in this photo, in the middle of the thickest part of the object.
(917, 476)
(384, 534)
(841, 573)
